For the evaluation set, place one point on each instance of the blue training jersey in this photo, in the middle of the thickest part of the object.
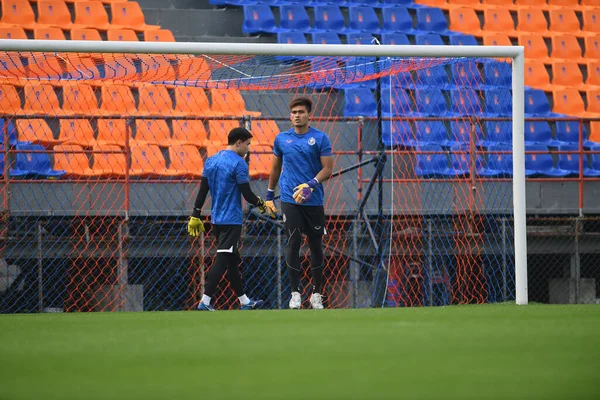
(301, 156)
(224, 172)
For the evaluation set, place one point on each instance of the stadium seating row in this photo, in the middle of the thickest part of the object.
(153, 100)
(116, 131)
(123, 35)
(88, 14)
(546, 5)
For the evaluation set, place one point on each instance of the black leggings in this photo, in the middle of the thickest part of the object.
(292, 255)
(229, 262)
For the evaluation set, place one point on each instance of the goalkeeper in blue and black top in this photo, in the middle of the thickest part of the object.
(225, 176)
(303, 160)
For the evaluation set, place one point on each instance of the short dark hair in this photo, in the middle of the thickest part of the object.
(238, 134)
(302, 101)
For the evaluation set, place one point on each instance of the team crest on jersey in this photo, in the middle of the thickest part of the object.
(311, 141)
(289, 141)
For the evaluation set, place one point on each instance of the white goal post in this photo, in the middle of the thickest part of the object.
(516, 53)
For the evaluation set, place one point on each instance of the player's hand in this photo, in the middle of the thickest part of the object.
(303, 191)
(263, 207)
(270, 203)
(195, 226)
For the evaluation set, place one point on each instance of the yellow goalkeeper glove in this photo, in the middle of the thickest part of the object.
(270, 203)
(266, 207)
(303, 191)
(195, 226)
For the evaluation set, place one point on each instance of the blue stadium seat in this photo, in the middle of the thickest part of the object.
(31, 163)
(539, 132)
(595, 162)
(402, 3)
(429, 39)
(398, 20)
(497, 133)
(397, 133)
(291, 38)
(361, 38)
(325, 74)
(567, 132)
(466, 74)
(326, 38)
(465, 102)
(460, 133)
(359, 67)
(12, 131)
(394, 38)
(541, 163)
(500, 161)
(399, 80)
(430, 102)
(432, 162)
(460, 161)
(431, 132)
(398, 102)
(259, 18)
(537, 104)
(570, 162)
(432, 76)
(497, 74)
(364, 19)
(359, 102)
(433, 20)
(295, 18)
(330, 18)
(229, 2)
(498, 102)
(463, 39)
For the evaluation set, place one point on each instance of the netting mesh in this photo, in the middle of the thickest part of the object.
(103, 152)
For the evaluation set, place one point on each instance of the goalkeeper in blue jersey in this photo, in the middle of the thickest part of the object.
(225, 175)
(303, 160)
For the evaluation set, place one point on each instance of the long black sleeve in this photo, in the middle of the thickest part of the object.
(248, 194)
(201, 198)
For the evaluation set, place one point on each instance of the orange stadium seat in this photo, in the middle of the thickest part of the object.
(12, 69)
(156, 68)
(117, 100)
(185, 160)
(193, 70)
(112, 132)
(593, 73)
(120, 69)
(45, 68)
(36, 131)
(230, 102)
(465, 20)
(499, 20)
(110, 161)
(592, 47)
(219, 129)
(591, 21)
(54, 13)
(496, 3)
(192, 101)
(536, 75)
(122, 35)
(85, 34)
(77, 131)
(496, 39)
(72, 159)
(147, 161)
(13, 32)
(566, 46)
(264, 132)
(564, 20)
(594, 131)
(18, 13)
(155, 100)
(159, 35)
(81, 68)
(567, 73)
(91, 14)
(79, 99)
(48, 34)
(535, 47)
(40, 99)
(10, 102)
(593, 101)
(556, 4)
(590, 3)
(568, 101)
(189, 132)
(532, 20)
(214, 147)
(153, 131)
(129, 15)
(260, 159)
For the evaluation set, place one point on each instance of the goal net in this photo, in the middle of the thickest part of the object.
(103, 151)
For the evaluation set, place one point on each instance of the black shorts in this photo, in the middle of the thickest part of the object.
(309, 219)
(228, 238)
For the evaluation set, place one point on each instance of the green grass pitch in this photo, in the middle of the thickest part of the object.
(459, 352)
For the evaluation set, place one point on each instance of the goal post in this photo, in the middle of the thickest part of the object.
(383, 61)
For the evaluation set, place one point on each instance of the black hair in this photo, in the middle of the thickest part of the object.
(238, 134)
(302, 101)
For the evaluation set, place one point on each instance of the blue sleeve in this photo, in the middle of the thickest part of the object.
(241, 172)
(325, 146)
(276, 149)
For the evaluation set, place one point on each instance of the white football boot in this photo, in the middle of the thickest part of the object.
(295, 301)
(316, 301)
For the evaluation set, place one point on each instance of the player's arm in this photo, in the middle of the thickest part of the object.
(276, 165)
(195, 225)
(327, 170)
(254, 199)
